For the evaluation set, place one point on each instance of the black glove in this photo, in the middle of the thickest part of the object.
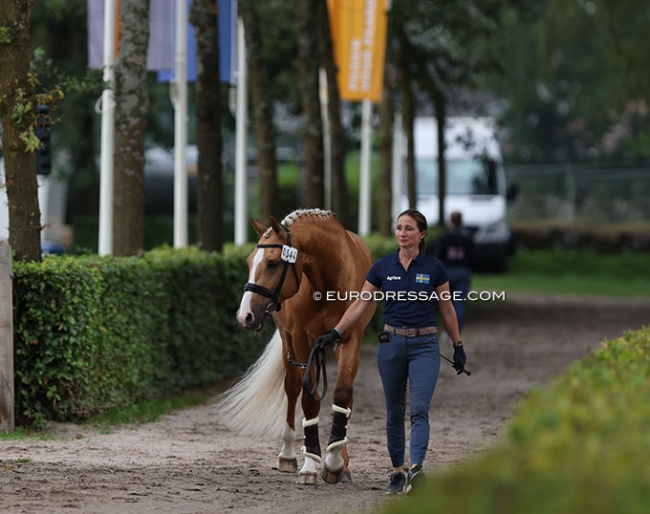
(459, 359)
(327, 339)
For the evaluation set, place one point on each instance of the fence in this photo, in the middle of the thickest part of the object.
(573, 202)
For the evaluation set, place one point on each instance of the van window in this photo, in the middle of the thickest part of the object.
(464, 177)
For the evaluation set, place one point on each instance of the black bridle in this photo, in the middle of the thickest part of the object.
(288, 256)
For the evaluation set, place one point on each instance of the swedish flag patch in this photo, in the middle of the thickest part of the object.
(422, 278)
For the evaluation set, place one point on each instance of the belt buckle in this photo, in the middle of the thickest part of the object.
(411, 332)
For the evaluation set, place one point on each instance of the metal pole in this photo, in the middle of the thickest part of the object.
(108, 135)
(241, 204)
(364, 179)
(180, 128)
(327, 144)
(397, 169)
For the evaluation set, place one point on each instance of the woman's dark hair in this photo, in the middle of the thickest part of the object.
(420, 220)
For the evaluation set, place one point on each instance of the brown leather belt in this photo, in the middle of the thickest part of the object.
(411, 332)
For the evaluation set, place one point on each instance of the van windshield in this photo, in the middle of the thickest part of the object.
(464, 177)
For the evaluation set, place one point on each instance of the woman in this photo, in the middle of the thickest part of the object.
(413, 283)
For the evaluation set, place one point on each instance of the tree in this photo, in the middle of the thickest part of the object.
(262, 100)
(442, 52)
(131, 108)
(577, 81)
(308, 69)
(340, 195)
(209, 140)
(18, 110)
(408, 113)
(59, 34)
(384, 193)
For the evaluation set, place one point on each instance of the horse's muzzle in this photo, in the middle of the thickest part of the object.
(248, 321)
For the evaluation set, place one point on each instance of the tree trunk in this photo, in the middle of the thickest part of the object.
(131, 107)
(209, 140)
(442, 166)
(308, 65)
(439, 100)
(18, 111)
(407, 116)
(262, 111)
(340, 194)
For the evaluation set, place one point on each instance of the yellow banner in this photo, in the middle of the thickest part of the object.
(359, 34)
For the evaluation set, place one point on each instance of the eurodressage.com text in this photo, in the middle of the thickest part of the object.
(406, 296)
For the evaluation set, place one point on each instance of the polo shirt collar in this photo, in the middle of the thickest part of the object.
(418, 259)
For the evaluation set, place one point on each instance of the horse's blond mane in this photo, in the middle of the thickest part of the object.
(301, 213)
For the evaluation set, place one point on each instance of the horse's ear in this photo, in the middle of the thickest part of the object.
(275, 225)
(259, 227)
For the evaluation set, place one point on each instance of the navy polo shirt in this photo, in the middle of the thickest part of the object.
(409, 296)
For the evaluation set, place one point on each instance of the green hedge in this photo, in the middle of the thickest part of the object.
(95, 333)
(580, 445)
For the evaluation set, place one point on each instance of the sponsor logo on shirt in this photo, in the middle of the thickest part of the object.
(393, 277)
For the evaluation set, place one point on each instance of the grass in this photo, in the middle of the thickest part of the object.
(146, 411)
(151, 410)
(23, 434)
(576, 272)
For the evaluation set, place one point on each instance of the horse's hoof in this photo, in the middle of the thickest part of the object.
(334, 477)
(347, 477)
(307, 479)
(287, 465)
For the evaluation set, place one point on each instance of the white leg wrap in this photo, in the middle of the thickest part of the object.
(288, 439)
(347, 412)
(333, 460)
(310, 422)
(310, 465)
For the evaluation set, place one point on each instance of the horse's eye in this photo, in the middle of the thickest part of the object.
(273, 264)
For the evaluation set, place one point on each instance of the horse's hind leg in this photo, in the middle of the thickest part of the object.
(287, 461)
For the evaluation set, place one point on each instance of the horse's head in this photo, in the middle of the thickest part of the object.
(273, 275)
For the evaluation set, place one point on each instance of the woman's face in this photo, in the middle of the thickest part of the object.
(407, 232)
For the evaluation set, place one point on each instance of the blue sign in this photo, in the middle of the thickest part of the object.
(227, 20)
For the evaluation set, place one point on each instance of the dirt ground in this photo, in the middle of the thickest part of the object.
(187, 462)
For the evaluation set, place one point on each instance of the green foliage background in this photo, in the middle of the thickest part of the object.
(92, 334)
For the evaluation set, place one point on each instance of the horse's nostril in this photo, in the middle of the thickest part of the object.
(249, 319)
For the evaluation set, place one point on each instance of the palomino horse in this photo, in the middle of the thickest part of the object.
(307, 254)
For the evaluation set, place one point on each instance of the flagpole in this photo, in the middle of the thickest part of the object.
(327, 140)
(180, 128)
(398, 170)
(108, 134)
(241, 205)
(364, 179)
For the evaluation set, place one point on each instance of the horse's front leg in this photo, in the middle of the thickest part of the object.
(287, 460)
(336, 461)
(336, 466)
(311, 450)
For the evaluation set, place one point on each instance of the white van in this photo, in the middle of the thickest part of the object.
(476, 183)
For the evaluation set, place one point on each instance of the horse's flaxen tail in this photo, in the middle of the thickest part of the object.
(257, 404)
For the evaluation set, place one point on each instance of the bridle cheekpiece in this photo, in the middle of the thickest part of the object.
(288, 255)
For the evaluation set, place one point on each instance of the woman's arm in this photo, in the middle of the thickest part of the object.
(357, 309)
(447, 312)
